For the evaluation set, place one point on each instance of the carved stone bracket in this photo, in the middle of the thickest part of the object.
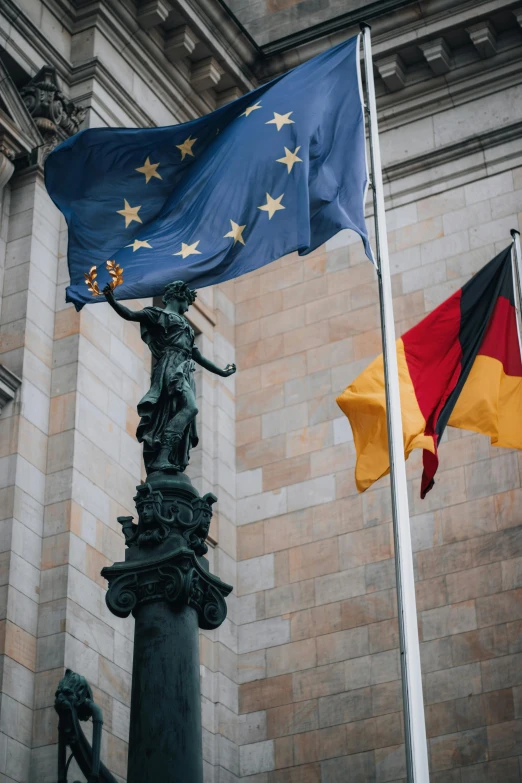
(55, 116)
(178, 579)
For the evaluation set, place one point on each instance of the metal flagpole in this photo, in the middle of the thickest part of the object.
(517, 280)
(414, 722)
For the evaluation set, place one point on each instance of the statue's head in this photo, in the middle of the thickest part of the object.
(148, 504)
(180, 292)
(73, 692)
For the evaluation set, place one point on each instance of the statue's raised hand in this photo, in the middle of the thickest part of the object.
(107, 292)
(229, 370)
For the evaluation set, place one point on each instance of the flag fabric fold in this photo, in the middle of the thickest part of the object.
(281, 169)
(460, 366)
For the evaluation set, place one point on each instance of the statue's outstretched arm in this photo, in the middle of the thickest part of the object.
(128, 315)
(208, 365)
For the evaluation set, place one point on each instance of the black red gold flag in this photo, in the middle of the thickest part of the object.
(460, 366)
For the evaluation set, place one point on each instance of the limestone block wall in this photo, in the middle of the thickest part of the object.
(26, 348)
(69, 462)
(318, 665)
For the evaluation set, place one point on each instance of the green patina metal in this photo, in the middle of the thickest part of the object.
(164, 580)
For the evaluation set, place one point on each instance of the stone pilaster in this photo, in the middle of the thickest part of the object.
(26, 341)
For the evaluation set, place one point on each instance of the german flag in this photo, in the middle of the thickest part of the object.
(459, 366)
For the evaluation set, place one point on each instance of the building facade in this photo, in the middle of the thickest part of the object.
(301, 684)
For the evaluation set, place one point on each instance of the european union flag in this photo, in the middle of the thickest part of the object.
(282, 168)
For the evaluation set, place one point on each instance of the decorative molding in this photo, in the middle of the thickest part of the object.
(140, 51)
(395, 25)
(452, 166)
(180, 43)
(18, 132)
(228, 40)
(472, 82)
(152, 12)
(392, 72)
(438, 55)
(340, 24)
(484, 38)
(9, 383)
(55, 116)
(206, 74)
(227, 96)
(178, 579)
(164, 558)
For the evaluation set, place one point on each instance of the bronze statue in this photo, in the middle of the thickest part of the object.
(165, 579)
(168, 411)
(74, 702)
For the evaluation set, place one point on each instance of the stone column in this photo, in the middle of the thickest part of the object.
(165, 582)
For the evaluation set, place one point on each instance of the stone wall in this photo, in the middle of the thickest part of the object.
(69, 461)
(320, 695)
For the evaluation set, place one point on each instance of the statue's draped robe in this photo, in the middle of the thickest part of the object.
(170, 339)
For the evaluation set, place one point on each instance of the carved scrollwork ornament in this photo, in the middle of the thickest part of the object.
(190, 520)
(121, 597)
(180, 582)
(56, 117)
(214, 610)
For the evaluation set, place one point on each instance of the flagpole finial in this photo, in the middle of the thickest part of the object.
(514, 232)
(365, 26)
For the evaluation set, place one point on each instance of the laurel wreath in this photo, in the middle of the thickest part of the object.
(115, 271)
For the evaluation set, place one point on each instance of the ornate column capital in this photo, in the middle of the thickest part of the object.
(164, 557)
(179, 579)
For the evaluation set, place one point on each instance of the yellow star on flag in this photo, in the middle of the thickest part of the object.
(280, 120)
(236, 232)
(250, 109)
(138, 243)
(290, 158)
(149, 169)
(130, 213)
(188, 250)
(186, 147)
(272, 205)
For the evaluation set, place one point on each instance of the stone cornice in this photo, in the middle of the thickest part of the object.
(463, 85)
(390, 31)
(142, 52)
(19, 125)
(230, 40)
(342, 24)
(453, 165)
(446, 15)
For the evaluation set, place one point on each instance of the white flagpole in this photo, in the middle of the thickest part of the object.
(414, 722)
(517, 280)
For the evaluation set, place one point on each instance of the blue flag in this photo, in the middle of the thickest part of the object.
(282, 168)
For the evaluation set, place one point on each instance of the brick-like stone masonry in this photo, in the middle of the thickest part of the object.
(319, 694)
